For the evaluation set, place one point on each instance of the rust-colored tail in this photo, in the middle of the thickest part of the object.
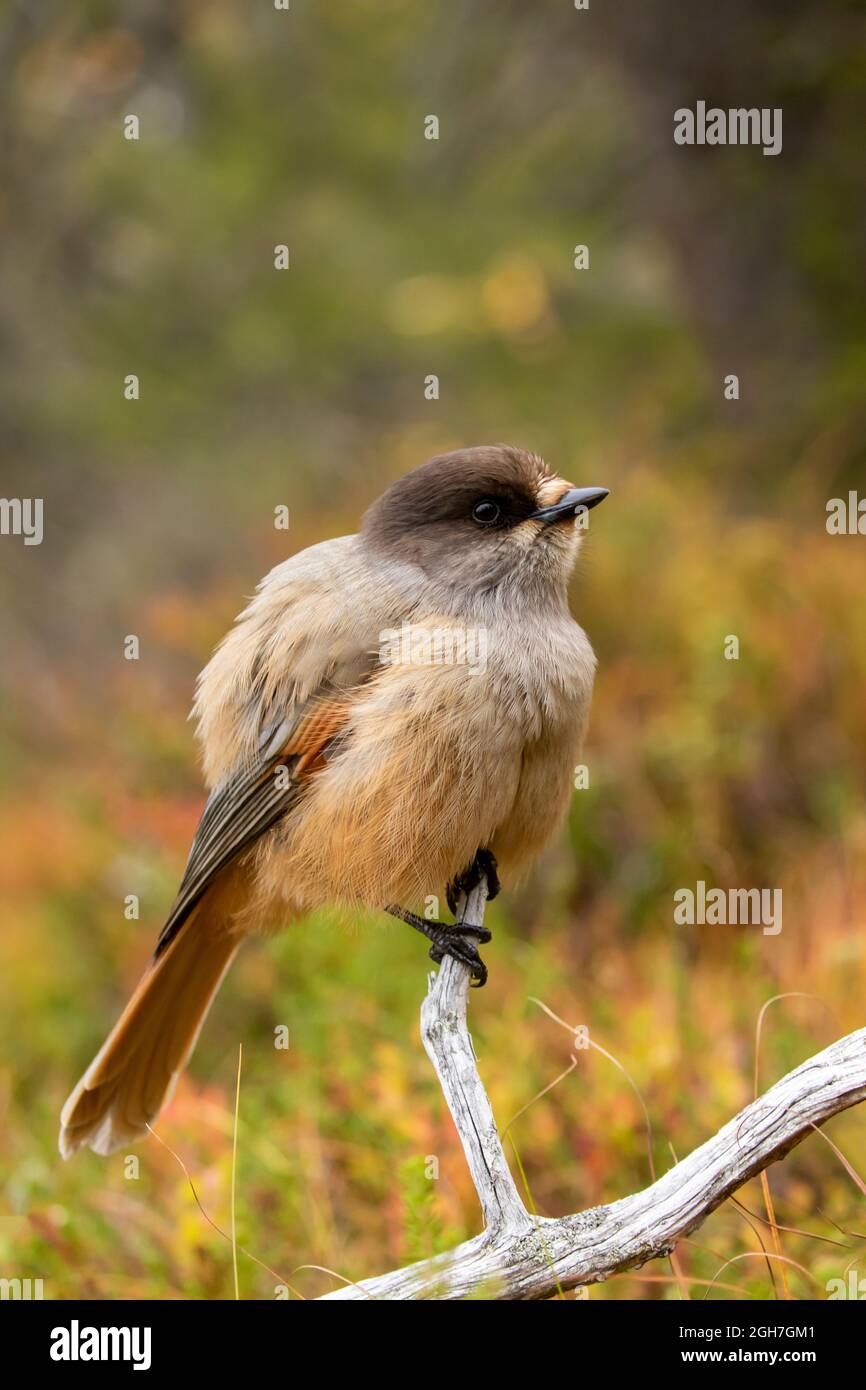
(134, 1073)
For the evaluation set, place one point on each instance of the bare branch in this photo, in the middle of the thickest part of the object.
(449, 1046)
(519, 1256)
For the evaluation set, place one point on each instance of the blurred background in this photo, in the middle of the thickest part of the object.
(305, 388)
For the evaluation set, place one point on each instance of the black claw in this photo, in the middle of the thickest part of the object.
(463, 929)
(452, 941)
(484, 864)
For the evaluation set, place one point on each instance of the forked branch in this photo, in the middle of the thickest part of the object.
(520, 1256)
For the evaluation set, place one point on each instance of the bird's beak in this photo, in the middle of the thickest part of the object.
(568, 506)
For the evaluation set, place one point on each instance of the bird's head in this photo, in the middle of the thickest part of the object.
(484, 518)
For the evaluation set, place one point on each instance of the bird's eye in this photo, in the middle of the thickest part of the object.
(486, 512)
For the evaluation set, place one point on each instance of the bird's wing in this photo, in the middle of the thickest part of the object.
(242, 807)
(274, 697)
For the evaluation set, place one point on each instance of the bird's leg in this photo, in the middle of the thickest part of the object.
(484, 864)
(449, 941)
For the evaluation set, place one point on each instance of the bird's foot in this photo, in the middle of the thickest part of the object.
(483, 865)
(454, 941)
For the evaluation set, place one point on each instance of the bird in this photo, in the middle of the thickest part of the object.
(395, 711)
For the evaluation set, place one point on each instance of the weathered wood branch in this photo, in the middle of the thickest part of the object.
(519, 1256)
